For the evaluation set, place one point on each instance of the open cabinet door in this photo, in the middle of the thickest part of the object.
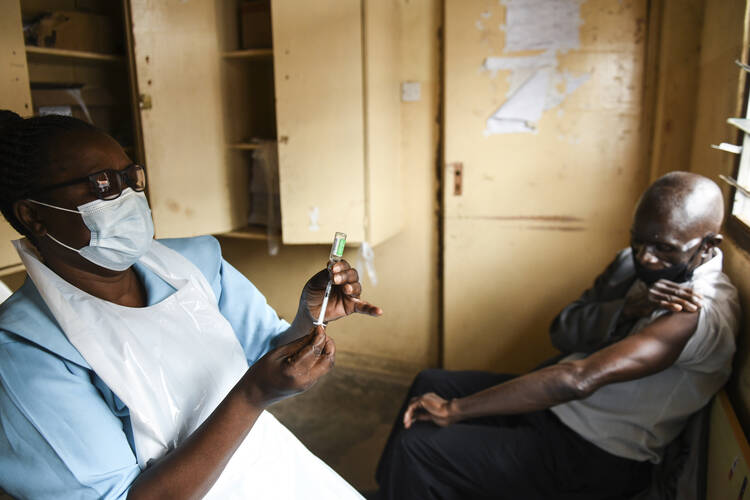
(319, 113)
(192, 190)
(545, 161)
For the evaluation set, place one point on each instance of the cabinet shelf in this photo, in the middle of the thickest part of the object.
(248, 54)
(247, 233)
(68, 55)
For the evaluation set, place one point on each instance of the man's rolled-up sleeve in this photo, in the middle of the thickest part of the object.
(58, 437)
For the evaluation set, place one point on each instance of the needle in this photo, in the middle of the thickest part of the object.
(323, 307)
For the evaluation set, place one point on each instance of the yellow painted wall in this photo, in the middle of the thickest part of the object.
(407, 263)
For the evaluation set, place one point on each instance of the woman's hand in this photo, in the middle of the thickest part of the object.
(431, 408)
(344, 298)
(289, 369)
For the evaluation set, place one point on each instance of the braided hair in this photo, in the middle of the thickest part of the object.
(25, 154)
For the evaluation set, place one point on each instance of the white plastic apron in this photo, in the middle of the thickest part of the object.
(172, 363)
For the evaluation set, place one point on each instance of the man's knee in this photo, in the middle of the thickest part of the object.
(415, 447)
(429, 380)
(406, 451)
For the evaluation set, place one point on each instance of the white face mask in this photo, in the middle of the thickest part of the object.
(121, 230)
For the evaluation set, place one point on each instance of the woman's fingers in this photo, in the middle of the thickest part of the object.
(327, 358)
(289, 350)
(347, 292)
(318, 356)
(346, 276)
(363, 307)
(340, 266)
(353, 289)
(308, 352)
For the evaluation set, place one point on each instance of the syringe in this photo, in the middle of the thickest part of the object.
(337, 252)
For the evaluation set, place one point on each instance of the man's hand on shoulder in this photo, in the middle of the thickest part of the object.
(663, 294)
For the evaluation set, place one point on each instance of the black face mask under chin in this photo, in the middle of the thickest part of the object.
(678, 273)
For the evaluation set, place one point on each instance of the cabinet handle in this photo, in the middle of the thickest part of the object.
(458, 177)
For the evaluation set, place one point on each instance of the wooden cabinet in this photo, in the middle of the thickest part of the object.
(194, 187)
(337, 99)
(332, 73)
(327, 90)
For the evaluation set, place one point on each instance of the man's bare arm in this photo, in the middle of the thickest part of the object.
(650, 351)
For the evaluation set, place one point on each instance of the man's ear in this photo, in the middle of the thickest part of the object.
(713, 240)
(27, 215)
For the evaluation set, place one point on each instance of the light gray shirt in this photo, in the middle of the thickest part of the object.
(638, 418)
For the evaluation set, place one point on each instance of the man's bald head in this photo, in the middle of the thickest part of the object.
(687, 203)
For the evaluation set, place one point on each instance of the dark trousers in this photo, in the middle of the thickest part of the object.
(518, 457)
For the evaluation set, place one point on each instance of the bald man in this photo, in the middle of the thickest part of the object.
(647, 346)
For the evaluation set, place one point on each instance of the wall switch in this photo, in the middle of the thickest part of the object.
(411, 91)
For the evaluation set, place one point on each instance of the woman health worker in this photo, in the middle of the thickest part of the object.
(138, 368)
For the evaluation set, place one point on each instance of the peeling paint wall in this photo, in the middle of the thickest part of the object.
(536, 84)
(540, 214)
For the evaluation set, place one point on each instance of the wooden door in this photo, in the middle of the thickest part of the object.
(540, 213)
(193, 188)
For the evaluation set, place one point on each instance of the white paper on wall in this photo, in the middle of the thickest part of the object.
(524, 108)
(313, 214)
(541, 24)
(521, 68)
(366, 261)
(569, 84)
(535, 82)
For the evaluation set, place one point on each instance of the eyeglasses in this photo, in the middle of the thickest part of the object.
(108, 184)
(664, 249)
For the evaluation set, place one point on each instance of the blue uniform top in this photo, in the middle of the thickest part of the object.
(63, 432)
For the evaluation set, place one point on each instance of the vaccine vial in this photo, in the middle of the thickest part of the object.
(337, 249)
